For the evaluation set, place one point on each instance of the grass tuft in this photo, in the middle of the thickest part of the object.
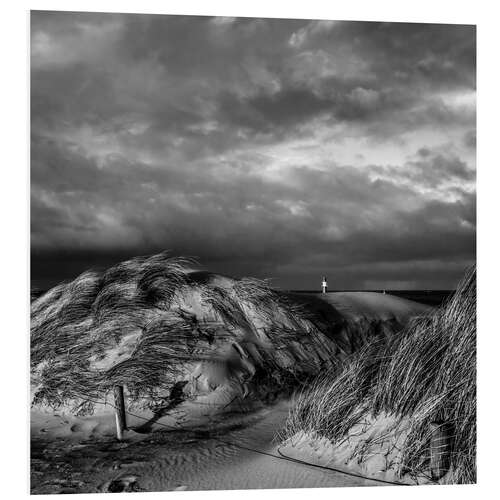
(424, 374)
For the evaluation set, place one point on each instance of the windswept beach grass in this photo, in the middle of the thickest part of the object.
(149, 321)
(383, 399)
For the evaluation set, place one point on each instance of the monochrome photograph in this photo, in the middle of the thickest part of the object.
(252, 253)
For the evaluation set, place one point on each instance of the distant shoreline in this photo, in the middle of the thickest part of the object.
(427, 297)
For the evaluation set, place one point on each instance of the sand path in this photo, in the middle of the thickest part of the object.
(184, 461)
(216, 464)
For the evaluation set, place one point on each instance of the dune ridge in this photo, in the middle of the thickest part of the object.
(169, 333)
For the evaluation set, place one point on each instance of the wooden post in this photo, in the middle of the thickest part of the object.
(121, 421)
(440, 449)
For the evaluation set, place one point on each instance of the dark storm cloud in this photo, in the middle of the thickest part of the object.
(439, 55)
(429, 169)
(290, 106)
(280, 148)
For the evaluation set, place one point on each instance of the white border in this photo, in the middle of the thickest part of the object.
(15, 217)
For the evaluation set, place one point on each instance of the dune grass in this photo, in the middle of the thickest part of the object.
(75, 324)
(76, 327)
(426, 373)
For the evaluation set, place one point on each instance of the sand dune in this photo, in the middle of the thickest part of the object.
(372, 305)
(190, 348)
(252, 353)
(400, 410)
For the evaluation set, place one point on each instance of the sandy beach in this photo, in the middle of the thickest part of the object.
(224, 435)
(189, 460)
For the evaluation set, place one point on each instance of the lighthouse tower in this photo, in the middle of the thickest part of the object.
(324, 285)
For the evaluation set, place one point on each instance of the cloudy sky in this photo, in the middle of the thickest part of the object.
(285, 149)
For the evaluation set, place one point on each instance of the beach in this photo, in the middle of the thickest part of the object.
(190, 460)
(225, 434)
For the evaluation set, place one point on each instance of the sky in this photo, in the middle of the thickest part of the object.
(281, 149)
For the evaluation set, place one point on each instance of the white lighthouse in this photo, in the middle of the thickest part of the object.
(324, 285)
